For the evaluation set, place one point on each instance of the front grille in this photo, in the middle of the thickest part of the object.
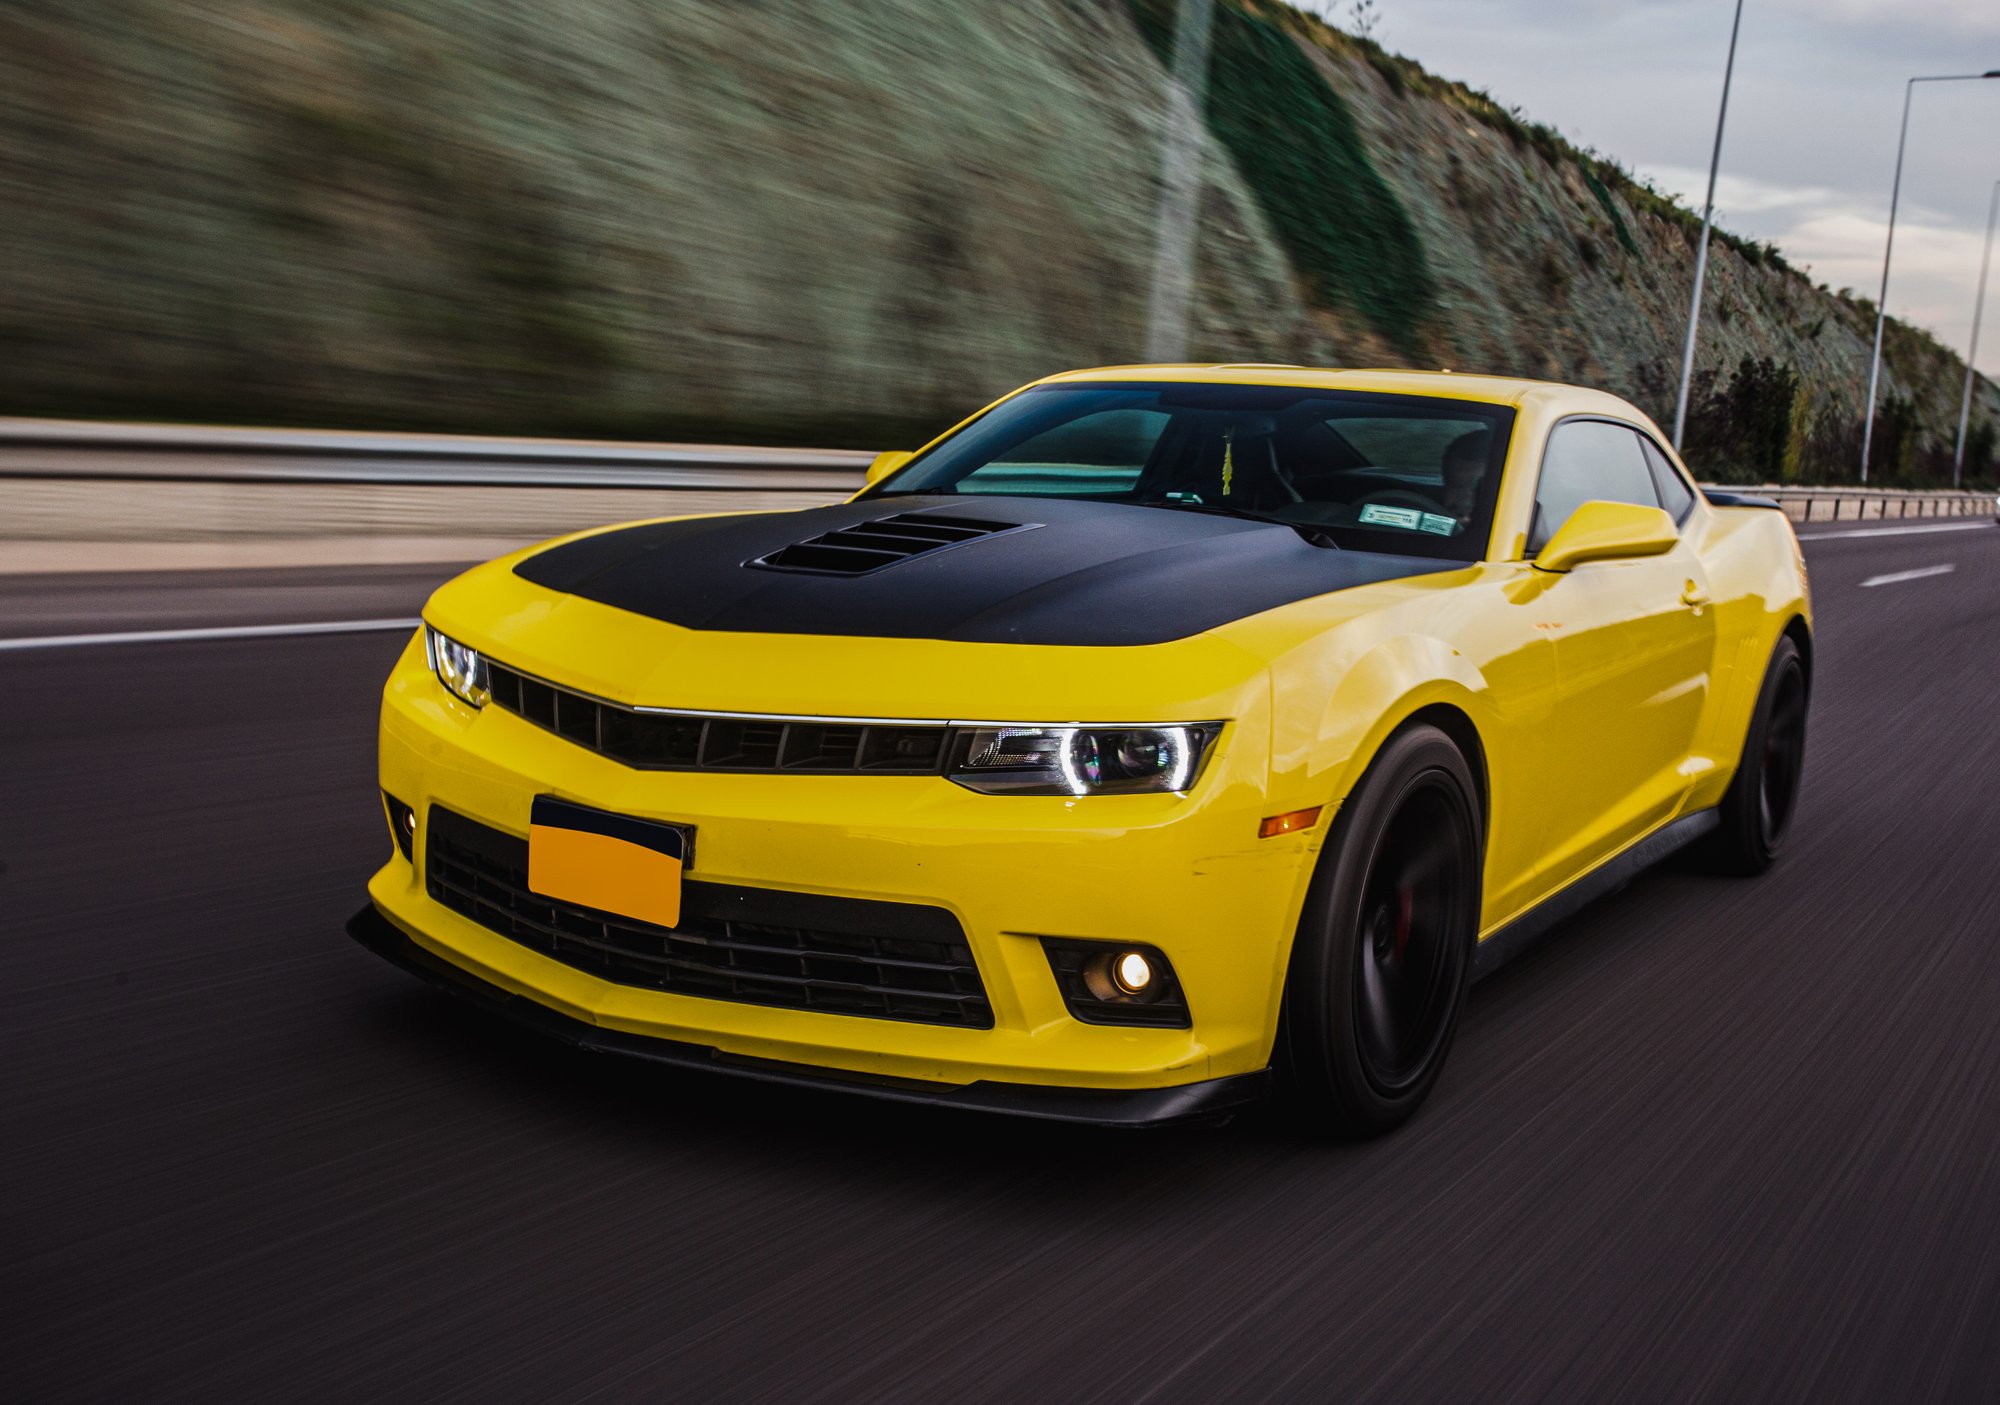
(761, 946)
(659, 741)
(866, 547)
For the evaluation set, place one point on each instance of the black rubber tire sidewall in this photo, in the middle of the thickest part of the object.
(1324, 1073)
(1739, 845)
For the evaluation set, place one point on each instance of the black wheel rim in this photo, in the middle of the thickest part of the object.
(1410, 952)
(1784, 755)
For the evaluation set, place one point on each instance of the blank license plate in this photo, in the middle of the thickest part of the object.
(613, 863)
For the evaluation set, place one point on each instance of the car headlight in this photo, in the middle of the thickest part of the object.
(462, 670)
(1081, 760)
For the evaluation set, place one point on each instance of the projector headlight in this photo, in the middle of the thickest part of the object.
(462, 670)
(1082, 760)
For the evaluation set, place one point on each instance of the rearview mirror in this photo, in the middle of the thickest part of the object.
(886, 464)
(1608, 531)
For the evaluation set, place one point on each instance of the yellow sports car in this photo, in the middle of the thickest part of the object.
(1158, 738)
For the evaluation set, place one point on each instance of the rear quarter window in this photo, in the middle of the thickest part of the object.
(1675, 495)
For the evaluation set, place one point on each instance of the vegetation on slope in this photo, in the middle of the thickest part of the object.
(835, 224)
(1291, 135)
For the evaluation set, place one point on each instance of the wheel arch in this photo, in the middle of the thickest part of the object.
(1800, 633)
(1457, 724)
(1450, 712)
(1389, 690)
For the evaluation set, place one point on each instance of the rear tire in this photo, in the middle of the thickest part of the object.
(1762, 799)
(1384, 951)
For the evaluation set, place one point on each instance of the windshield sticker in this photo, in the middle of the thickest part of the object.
(1443, 526)
(1376, 515)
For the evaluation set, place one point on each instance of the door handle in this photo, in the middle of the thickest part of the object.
(1693, 596)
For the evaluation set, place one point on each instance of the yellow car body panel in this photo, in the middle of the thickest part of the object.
(1606, 703)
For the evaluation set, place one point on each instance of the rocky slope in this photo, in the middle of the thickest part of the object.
(830, 223)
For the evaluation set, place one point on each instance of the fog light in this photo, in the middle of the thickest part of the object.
(402, 826)
(1132, 973)
(1117, 982)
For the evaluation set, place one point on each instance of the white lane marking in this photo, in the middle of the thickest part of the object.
(1900, 531)
(181, 636)
(1898, 577)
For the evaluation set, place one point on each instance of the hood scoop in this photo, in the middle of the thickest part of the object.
(868, 547)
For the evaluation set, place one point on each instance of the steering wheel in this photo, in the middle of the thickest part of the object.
(1402, 497)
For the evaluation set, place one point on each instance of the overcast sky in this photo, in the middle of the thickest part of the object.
(1811, 140)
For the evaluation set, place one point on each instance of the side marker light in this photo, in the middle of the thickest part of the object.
(1289, 822)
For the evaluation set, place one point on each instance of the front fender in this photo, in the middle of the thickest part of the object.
(1378, 693)
(1321, 752)
(1480, 651)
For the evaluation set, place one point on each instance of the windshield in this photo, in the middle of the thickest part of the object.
(1415, 475)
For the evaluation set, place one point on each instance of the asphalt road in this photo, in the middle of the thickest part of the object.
(116, 601)
(1712, 1140)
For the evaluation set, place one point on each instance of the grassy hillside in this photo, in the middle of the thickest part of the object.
(834, 224)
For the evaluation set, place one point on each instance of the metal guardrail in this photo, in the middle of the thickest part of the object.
(169, 453)
(69, 449)
(1806, 505)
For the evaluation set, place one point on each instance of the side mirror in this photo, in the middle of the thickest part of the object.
(884, 465)
(1608, 531)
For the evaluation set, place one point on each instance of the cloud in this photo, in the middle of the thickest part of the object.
(1931, 282)
(1966, 17)
(1955, 17)
(1739, 195)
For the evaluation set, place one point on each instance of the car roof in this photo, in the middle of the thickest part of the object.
(1494, 390)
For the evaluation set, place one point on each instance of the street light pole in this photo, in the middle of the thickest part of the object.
(1701, 250)
(1180, 182)
(1882, 302)
(1978, 307)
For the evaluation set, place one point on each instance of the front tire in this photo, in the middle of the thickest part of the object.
(1763, 797)
(1384, 951)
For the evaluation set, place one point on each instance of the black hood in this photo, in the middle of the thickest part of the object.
(1017, 571)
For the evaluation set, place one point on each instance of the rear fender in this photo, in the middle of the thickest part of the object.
(1757, 576)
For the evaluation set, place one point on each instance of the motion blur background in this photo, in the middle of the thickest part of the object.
(1711, 1140)
(850, 224)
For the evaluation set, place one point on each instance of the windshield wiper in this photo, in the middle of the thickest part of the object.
(1318, 536)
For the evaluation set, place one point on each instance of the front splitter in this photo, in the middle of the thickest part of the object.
(1102, 1107)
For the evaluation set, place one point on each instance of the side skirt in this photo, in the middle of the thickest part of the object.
(1520, 934)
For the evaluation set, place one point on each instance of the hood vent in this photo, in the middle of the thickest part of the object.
(867, 547)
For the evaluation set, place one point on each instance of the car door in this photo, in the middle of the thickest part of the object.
(1635, 647)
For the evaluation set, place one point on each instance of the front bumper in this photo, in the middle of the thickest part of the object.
(1148, 1107)
(1184, 874)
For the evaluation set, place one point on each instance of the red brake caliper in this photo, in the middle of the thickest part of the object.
(1406, 902)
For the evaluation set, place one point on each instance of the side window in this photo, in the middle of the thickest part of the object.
(1588, 460)
(1675, 495)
